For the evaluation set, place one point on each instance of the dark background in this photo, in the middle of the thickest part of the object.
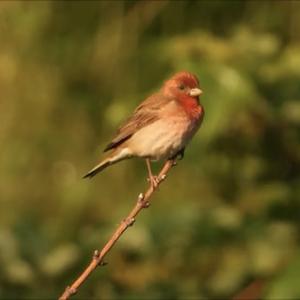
(228, 215)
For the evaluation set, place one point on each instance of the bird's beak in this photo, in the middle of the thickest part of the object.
(195, 92)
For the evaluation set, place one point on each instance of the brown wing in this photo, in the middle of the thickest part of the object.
(146, 113)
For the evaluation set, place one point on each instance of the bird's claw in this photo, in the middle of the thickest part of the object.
(180, 154)
(153, 181)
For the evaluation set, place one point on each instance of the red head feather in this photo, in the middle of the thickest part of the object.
(178, 87)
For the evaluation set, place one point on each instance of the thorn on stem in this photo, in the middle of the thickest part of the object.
(96, 254)
(163, 177)
(71, 291)
(146, 204)
(141, 197)
(129, 221)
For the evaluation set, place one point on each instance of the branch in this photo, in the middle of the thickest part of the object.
(98, 256)
(253, 291)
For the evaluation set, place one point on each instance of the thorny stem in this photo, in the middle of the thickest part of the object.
(98, 255)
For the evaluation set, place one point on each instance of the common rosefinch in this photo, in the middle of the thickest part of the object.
(160, 127)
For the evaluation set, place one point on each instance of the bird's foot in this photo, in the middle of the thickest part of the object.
(180, 155)
(153, 181)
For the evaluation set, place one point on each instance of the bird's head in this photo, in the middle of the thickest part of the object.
(182, 85)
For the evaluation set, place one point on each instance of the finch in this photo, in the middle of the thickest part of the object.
(160, 127)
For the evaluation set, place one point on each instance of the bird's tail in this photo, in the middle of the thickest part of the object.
(114, 157)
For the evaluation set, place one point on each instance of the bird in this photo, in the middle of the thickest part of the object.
(160, 127)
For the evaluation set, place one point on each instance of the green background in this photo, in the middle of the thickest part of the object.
(226, 216)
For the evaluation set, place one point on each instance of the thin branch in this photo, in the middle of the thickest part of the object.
(253, 291)
(98, 256)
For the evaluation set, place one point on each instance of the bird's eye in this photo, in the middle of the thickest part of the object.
(181, 87)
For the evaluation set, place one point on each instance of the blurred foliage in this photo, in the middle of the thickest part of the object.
(70, 72)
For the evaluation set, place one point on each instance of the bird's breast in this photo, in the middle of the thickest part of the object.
(165, 137)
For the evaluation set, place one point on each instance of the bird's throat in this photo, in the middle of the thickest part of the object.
(192, 107)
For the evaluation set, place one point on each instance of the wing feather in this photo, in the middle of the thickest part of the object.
(146, 113)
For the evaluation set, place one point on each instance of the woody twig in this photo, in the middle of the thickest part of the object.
(143, 201)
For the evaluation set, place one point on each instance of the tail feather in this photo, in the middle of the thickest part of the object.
(100, 167)
(116, 156)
